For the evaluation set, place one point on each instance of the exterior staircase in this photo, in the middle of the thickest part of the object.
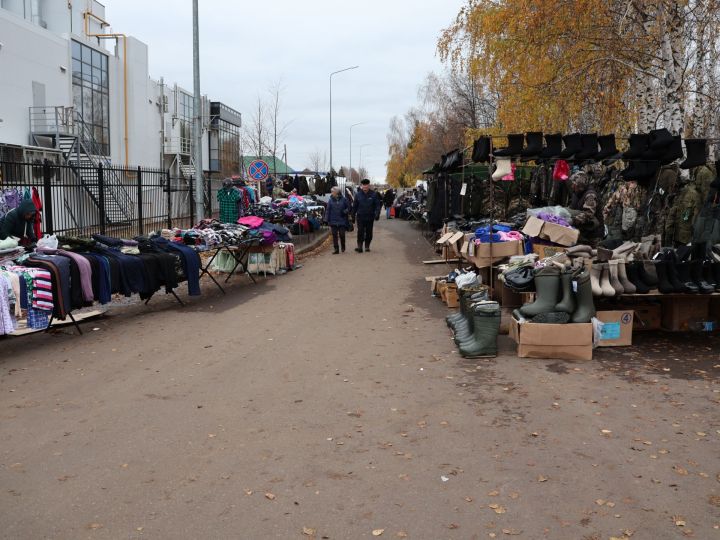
(81, 151)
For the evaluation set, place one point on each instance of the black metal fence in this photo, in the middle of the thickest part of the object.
(83, 200)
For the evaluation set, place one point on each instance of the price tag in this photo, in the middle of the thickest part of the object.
(463, 189)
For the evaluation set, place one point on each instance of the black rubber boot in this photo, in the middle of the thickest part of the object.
(665, 286)
(696, 274)
(671, 270)
(486, 324)
(567, 304)
(632, 270)
(716, 273)
(684, 276)
(648, 273)
(547, 285)
(585, 310)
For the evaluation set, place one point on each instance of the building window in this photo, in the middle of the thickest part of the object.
(185, 113)
(91, 94)
(225, 148)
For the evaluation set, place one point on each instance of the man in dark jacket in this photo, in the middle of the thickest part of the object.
(336, 215)
(366, 210)
(18, 222)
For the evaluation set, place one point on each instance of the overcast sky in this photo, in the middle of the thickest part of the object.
(248, 46)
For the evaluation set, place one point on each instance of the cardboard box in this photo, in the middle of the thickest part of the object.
(617, 328)
(451, 296)
(544, 251)
(506, 296)
(480, 254)
(679, 313)
(557, 341)
(647, 317)
(537, 228)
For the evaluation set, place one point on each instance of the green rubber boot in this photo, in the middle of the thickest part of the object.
(486, 325)
(567, 304)
(547, 286)
(585, 309)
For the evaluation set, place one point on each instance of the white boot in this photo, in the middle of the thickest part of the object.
(504, 167)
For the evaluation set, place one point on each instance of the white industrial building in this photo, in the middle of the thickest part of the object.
(76, 92)
(66, 73)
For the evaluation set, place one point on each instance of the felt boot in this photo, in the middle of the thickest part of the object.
(567, 304)
(547, 285)
(627, 285)
(595, 274)
(486, 325)
(585, 307)
(632, 273)
(696, 274)
(614, 279)
(605, 285)
(665, 286)
(504, 167)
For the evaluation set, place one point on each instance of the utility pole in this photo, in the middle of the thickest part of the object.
(197, 124)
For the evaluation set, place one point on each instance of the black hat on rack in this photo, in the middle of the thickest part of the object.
(659, 141)
(534, 141)
(553, 146)
(589, 142)
(481, 150)
(514, 147)
(673, 151)
(573, 145)
(608, 148)
(638, 143)
(696, 153)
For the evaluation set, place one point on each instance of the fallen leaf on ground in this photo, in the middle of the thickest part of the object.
(378, 532)
(402, 534)
(307, 531)
(514, 495)
(493, 493)
(714, 500)
(605, 431)
(542, 478)
(270, 496)
(679, 521)
(680, 470)
(512, 532)
(497, 508)
(469, 499)
(94, 526)
(599, 502)
(453, 526)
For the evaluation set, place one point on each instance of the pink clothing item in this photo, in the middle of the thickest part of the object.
(561, 171)
(509, 177)
(510, 236)
(85, 273)
(251, 221)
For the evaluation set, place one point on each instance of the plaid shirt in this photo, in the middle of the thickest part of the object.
(228, 200)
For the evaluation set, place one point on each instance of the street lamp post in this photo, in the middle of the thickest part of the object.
(351, 128)
(331, 76)
(197, 120)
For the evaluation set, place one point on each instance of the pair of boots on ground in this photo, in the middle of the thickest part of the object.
(563, 295)
(676, 274)
(477, 324)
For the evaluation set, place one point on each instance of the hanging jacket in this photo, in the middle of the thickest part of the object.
(687, 205)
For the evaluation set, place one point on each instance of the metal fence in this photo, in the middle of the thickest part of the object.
(77, 200)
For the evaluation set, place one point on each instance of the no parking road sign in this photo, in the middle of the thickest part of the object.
(258, 170)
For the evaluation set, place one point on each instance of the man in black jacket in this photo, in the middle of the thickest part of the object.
(18, 222)
(366, 210)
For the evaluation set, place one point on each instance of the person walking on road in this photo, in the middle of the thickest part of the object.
(366, 210)
(388, 200)
(336, 215)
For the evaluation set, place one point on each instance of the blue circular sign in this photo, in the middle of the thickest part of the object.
(258, 170)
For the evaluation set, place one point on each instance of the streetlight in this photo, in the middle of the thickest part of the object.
(351, 128)
(331, 76)
(361, 147)
(197, 118)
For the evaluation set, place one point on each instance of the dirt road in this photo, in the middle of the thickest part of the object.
(319, 405)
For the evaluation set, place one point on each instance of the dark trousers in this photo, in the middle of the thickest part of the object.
(338, 232)
(365, 232)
